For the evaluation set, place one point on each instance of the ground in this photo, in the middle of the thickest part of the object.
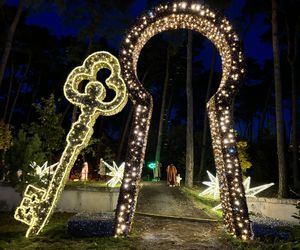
(163, 233)
(166, 218)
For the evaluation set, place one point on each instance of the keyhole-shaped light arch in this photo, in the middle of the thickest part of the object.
(213, 25)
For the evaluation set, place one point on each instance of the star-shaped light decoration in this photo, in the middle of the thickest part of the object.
(116, 173)
(44, 170)
(213, 188)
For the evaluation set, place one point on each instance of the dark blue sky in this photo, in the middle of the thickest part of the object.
(251, 37)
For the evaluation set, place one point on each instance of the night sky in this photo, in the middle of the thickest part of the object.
(253, 46)
(251, 36)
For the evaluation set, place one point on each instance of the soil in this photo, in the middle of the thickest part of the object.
(163, 233)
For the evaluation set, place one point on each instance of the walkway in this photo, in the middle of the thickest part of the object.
(162, 233)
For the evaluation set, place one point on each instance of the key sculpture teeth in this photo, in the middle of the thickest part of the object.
(38, 204)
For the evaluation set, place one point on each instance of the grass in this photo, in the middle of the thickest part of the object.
(54, 236)
(206, 203)
(87, 184)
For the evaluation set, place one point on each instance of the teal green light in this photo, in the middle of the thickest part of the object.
(151, 165)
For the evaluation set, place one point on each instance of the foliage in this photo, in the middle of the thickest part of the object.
(243, 155)
(5, 142)
(89, 184)
(90, 149)
(25, 149)
(5, 136)
(55, 236)
(48, 127)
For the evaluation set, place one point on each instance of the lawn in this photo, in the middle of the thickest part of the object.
(206, 203)
(54, 236)
(87, 184)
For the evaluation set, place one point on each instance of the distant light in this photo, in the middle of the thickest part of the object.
(151, 165)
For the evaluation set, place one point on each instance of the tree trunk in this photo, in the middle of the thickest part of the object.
(9, 41)
(34, 94)
(264, 113)
(282, 190)
(124, 134)
(292, 57)
(162, 110)
(12, 73)
(189, 127)
(205, 121)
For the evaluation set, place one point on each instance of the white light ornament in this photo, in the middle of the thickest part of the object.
(213, 188)
(116, 173)
(44, 169)
(38, 204)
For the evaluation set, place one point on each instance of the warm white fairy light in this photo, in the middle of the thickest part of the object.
(116, 173)
(213, 189)
(38, 204)
(197, 17)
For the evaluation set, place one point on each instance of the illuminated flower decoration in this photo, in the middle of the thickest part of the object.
(116, 173)
(213, 188)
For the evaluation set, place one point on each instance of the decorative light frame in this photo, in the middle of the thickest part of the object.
(213, 25)
(38, 204)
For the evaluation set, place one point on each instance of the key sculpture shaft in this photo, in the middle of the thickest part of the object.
(38, 203)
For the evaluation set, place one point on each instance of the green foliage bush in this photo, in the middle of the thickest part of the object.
(243, 155)
(25, 149)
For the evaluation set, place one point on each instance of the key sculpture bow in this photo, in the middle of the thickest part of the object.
(38, 203)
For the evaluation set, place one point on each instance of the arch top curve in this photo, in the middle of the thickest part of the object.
(183, 15)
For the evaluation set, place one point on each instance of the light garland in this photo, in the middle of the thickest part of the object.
(197, 17)
(213, 188)
(38, 204)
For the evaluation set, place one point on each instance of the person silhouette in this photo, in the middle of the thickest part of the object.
(171, 175)
(84, 172)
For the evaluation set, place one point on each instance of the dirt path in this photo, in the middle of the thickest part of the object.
(161, 233)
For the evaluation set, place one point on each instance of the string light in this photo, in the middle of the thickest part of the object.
(213, 25)
(38, 204)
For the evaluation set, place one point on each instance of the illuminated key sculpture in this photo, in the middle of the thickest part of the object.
(38, 204)
(213, 25)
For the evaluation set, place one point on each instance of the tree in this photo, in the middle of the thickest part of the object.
(26, 148)
(205, 120)
(292, 21)
(282, 190)
(243, 156)
(189, 127)
(5, 142)
(9, 40)
(48, 127)
(162, 110)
